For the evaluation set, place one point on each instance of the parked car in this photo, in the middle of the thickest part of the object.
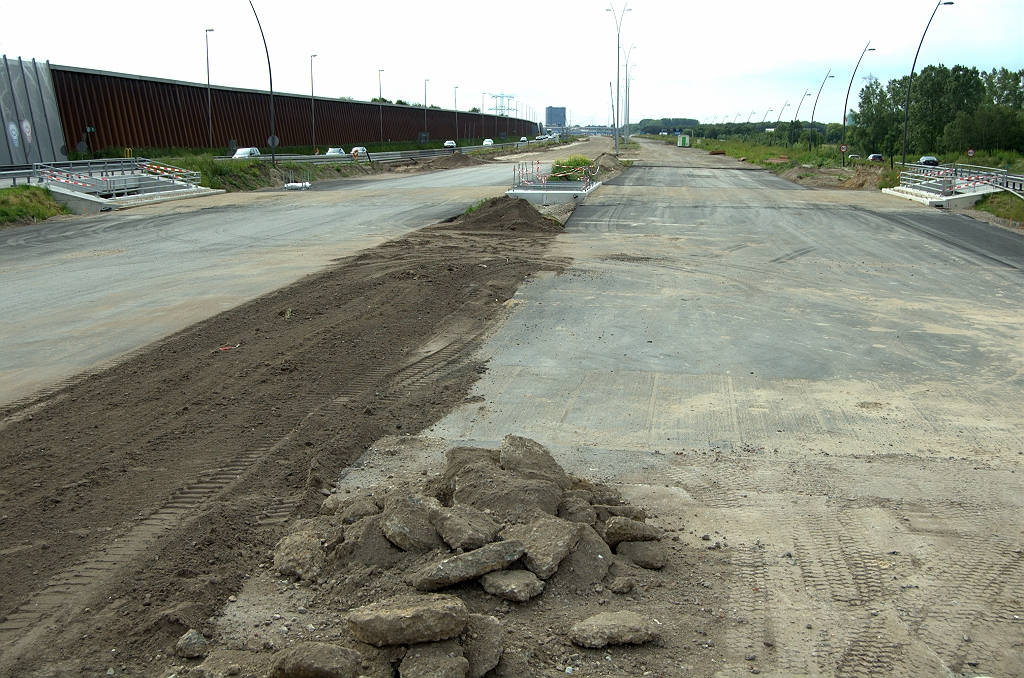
(449, 144)
(523, 139)
(876, 157)
(854, 155)
(928, 160)
(488, 142)
(358, 152)
(336, 151)
(247, 152)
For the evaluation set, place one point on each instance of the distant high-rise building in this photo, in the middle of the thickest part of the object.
(554, 116)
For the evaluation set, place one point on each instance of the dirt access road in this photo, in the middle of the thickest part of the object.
(826, 392)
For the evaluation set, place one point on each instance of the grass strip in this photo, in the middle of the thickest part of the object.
(28, 204)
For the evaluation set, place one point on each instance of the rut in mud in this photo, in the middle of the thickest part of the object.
(137, 500)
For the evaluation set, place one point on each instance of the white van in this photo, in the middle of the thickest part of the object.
(247, 152)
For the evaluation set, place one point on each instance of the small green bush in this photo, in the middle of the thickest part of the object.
(572, 168)
(27, 204)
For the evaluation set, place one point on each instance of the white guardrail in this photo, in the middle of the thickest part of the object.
(386, 156)
(946, 180)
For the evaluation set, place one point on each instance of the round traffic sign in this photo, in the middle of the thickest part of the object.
(970, 152)
(844, 148)
(273, 141)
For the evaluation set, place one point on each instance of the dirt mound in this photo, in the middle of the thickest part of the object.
(864, 179)
(243, 439)
(503, 214)
(534, 575)
(607, 162)
(453, 161)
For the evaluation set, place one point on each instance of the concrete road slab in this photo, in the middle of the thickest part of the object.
(833, 382)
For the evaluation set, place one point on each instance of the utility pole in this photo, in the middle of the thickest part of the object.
(425, 81)
(209, 100)
(456, 114)
(312, 102)
(380, 102)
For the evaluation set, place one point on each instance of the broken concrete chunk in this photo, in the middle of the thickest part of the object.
(530, 459)
(462, 527)
(613, 628)
(599, 494)
(605, 513)
(409, 620)
(355, 510)
(515, 585)
(623, 529)
(366, 545)
(407, 525)
(576, 510)
(620, 585)
(547, 541)
(331, 505)
(483, 644)
(317, 660)
(299, 555)
(485, 486)
(649, 555)
(460, 568)
(192, 645)
(587, 564)
(434, 660)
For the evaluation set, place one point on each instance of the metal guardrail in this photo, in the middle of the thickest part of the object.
(117, 178)
(945, 180)
(386, 156)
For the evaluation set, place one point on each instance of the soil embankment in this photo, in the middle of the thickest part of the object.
(138, 500)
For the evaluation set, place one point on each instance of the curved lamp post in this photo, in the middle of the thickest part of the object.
(752, 115)
(867, 48)
(796, 116)
(765, 115)
(906, 109)
(618, 62)
(456, 112)
(425, 81)
(784, 107)
(273, 153)
(815, 108)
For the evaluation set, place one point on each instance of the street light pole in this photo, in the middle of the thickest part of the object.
(312, 102)
(867, 48)
(209, 100)
(796, 116)
(425, 81)
(380, 102)
(815, 108)
(618, 62)
(765, 115)
(751, 116)
(906, 110)
(456, 114)
(273, 138)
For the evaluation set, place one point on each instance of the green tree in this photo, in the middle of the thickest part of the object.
(1004, 87)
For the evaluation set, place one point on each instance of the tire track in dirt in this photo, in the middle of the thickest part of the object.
(383, 339)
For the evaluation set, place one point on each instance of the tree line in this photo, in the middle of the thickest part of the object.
(951, 110)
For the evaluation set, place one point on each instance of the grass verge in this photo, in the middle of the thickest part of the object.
(28, 204)
(1003, 205)
(571, 168)
(249, 175)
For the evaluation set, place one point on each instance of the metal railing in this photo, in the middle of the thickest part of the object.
(529, 175)
(387, 156)
(945, 180)
(117, 178)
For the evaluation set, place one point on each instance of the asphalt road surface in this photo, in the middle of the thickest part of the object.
(831, 383)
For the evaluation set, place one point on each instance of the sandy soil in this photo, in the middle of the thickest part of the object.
(135, 502)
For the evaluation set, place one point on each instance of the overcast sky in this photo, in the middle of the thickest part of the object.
(692, 59)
